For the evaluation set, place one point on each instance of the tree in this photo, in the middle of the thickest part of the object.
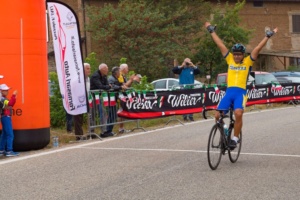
(146, 33)
(229, 30)
(92, 60)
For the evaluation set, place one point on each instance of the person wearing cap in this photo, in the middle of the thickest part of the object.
(7, 136)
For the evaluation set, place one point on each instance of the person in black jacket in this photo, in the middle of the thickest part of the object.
(98, 81)
(99, 78)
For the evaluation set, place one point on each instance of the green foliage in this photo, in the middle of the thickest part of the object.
(293, 68)
(92, 60)
(143, 85)
(57, 111)
(149, 34)
(229, 30)
(123, 61)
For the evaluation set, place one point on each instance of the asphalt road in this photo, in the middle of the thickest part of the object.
(168, 164)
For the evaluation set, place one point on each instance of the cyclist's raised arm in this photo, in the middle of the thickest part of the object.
(216, 38)
(259, 47)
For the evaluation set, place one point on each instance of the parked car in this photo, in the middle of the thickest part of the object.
(287, 76)
(170, 83)
(284, 79)
(258, 76)
(264, 78)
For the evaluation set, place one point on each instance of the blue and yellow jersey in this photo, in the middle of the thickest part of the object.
(238, 72)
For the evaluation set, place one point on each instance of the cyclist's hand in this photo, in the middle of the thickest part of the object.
(207, 24)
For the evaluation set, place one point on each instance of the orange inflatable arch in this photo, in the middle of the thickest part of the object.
(23, 63)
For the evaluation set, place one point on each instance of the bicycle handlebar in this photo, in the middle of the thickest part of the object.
(204, 112)
(221, 113)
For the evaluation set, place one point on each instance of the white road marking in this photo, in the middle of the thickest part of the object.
(61, 149)
(192, 151)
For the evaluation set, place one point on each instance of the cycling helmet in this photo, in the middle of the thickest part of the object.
(238, 48)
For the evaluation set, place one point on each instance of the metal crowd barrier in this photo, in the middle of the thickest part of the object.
(104, 106)
(103, 109)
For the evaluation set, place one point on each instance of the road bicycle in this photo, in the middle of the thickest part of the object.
(218, 141)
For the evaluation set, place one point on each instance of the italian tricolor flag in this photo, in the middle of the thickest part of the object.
(294, 89)
(139, 95)
(97, 98)
(90, 100)
(203, 98)
(105, 98)
(276, 86)
(216, 89)
(112, 98)
(160, 101)
(122, 97)
(129, 96)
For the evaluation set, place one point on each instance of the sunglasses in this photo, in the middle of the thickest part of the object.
(238, 54)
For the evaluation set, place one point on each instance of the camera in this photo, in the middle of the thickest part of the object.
(187, 64)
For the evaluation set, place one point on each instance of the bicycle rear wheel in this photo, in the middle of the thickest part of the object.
(235, 153)
(214, 147)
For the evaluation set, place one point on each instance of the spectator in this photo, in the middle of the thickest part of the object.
(78, 119)
(128, 83)
(98, 81)
(7, 136)
(69, 122)
(116, 86)
(123, 75)
(187, 71)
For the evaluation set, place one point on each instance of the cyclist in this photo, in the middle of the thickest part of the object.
(239, 68)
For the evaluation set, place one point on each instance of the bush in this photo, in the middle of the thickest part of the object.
(57, 111)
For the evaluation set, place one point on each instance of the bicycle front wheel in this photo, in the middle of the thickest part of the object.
(235, 153)
(214, 147)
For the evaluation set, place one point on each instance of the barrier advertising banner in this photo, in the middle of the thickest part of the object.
(66, 43)
(178, 102)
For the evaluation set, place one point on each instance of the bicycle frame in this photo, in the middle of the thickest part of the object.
(220, 122)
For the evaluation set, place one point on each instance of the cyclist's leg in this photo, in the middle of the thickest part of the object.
(224, 104)
(238, 114)
(239, 105)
